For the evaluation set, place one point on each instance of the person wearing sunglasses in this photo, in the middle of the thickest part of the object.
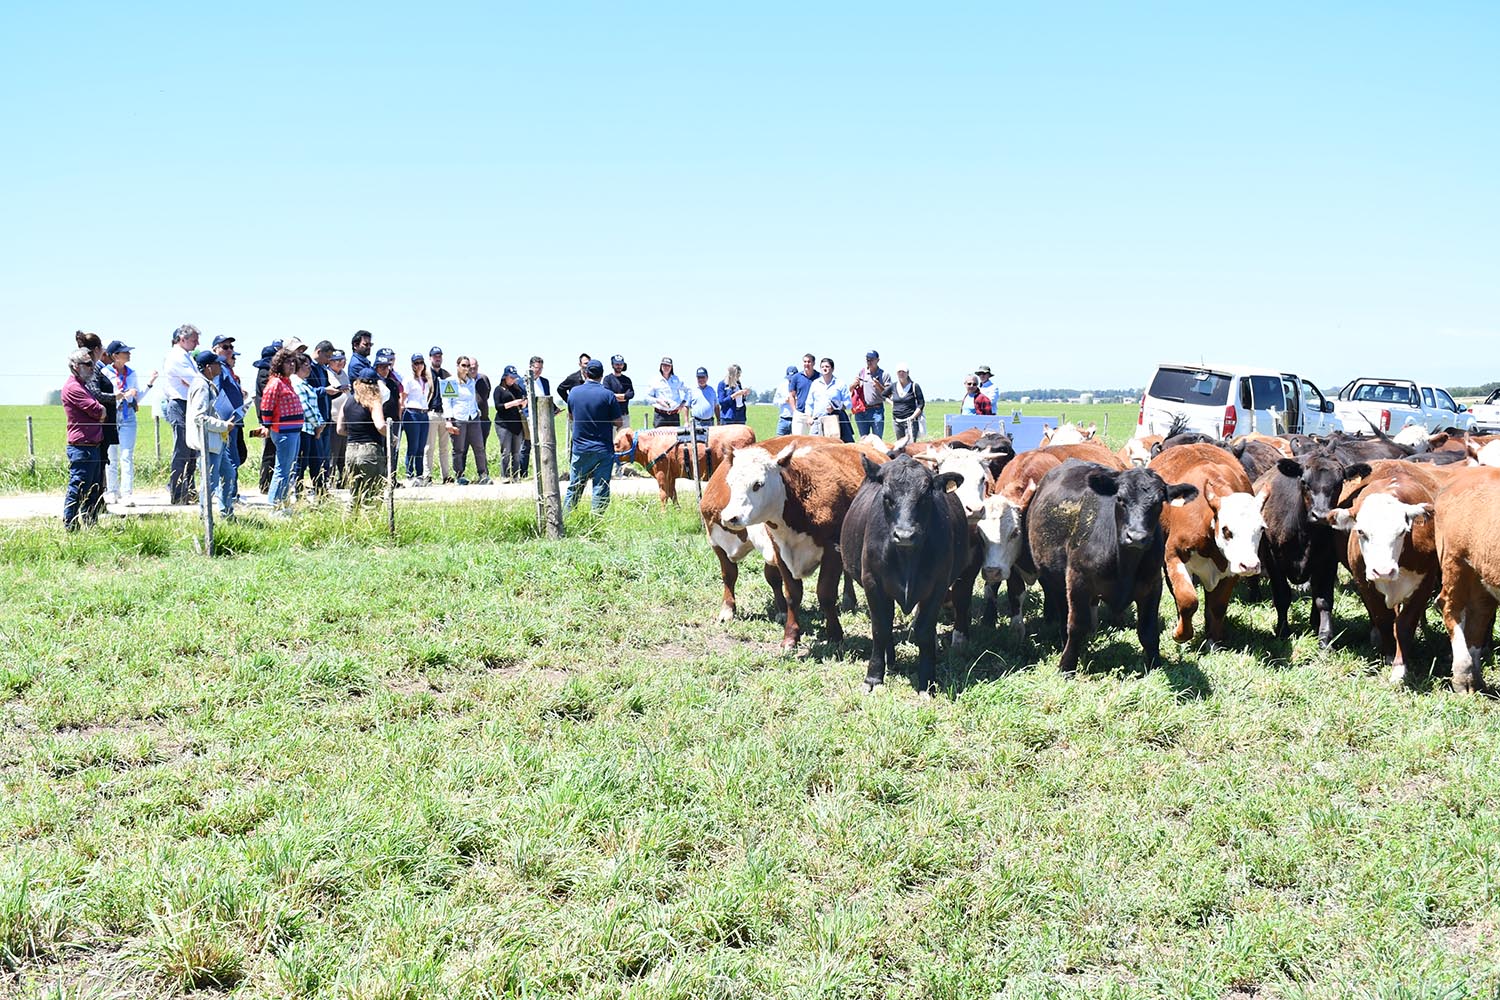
(465, 427)
(975, 402)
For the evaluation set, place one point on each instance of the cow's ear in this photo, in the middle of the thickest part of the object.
(1181, 493)
(947, 482)
(1289, 467)
(1416, 510)
(1104, 483)
(784, 456)
(1028, 491)
(1156, 449)
(1211, 495)
(1341, 519)
(1358, 470)
(872, 470)
(1260, 498)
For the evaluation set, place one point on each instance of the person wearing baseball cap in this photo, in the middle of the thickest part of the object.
(788, 402)
(907, 404)
(119, 468)
(596, 415)
(620, 384)
(869, 392)
(703, 400)
(209, 433)
(509, 398)
(439, 456)
(667, 395)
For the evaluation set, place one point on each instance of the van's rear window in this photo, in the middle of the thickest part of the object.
(1183, 385)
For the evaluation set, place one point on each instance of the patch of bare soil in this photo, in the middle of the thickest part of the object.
(1469, 938)
(98, 975)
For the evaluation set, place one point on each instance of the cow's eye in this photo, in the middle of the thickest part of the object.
(754, 487)
(1364, 536)
(1227, 533)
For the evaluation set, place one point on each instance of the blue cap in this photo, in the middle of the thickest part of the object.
(702, 373)
(385, 356)
(336, 356)
(418, 357)
(791, 370)
(221, 339)
(618, 359)
(365, 374)
(511, 371)
(871, 355)
(595, 368)
(205, 358)
(116, 346)
(434, 350)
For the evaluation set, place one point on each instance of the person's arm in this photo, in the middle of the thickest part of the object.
(921, 402)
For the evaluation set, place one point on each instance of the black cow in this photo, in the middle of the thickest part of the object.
(1298, 546)
(1095, 535)
(1256, 457)
(906, 539)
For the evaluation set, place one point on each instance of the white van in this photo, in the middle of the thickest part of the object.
(1228, 401)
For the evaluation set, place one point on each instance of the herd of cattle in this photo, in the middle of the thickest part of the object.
(1411, 518)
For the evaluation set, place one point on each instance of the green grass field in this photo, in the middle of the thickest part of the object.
(18, 473)
(473, 763)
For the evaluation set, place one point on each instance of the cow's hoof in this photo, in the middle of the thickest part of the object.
(924, 695)
(958, 641)
(871, 685)
(787, 645)
(726, 615)
(1398, 675)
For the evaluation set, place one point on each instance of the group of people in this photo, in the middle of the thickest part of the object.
(333, 418)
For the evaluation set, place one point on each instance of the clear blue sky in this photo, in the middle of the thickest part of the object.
(1068, 192)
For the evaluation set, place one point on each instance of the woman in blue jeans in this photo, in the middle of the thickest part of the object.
(415, 424)
(281, 410)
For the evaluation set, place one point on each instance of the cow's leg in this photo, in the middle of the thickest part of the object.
(1470, 622)
(793, 630)
(1185, 593)
(829, 574)
(849, 602)
(1148, 620)
(882, 646)
(1077, 605)
(1382, 621)
(1015, 603)
(962, 595)
(924, 631)
(1281, 596)
(729, 573)
(778, 596)
(991, 603)
(1322, 594)
(1216, 610)
(1407, 620)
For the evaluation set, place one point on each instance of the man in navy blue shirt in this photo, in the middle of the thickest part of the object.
(596, 414)
(798, 387)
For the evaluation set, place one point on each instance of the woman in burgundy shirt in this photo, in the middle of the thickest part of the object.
(85, 416)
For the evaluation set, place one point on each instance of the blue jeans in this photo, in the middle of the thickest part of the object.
(286, 444)
(226, 477)
(588, 465)
(85, 476)
(783, 426)
(415, 426)
(872, 421)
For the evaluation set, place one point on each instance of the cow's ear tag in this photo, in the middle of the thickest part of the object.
(951, 486)
(1178, 502)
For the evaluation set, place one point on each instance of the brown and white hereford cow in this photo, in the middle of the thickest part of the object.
(657, 451)
(1468, 545)
(1138, 450)
(1213, 539)
(1392, 553)
(732, 546)
(801, 496)
(1067, 434)
(1088, 451)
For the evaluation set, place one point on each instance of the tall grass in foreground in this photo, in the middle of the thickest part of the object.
(475, 763)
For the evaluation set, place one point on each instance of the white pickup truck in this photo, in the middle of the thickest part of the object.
(1487, 414)
(1391, 404)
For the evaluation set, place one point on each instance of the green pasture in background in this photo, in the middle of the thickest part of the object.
(474, 763)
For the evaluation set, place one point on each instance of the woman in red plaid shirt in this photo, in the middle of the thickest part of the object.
(281, 412)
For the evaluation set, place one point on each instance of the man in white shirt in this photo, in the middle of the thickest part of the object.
(179, 371)
(828, 397)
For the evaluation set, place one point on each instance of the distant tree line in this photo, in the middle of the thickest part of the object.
(1473, 390)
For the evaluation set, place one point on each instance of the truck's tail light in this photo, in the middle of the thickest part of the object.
(1385, 421)
(1231, 421)
(1140, 418)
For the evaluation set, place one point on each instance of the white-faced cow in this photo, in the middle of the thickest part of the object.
(1002, 533)
(1095, 535)
(1468, 545)
(1214, 539)
(801, 496)
(1392, 553)
(1298, 546)
(905, 540)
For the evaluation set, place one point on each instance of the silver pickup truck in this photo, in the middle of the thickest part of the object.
(1392, 404)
